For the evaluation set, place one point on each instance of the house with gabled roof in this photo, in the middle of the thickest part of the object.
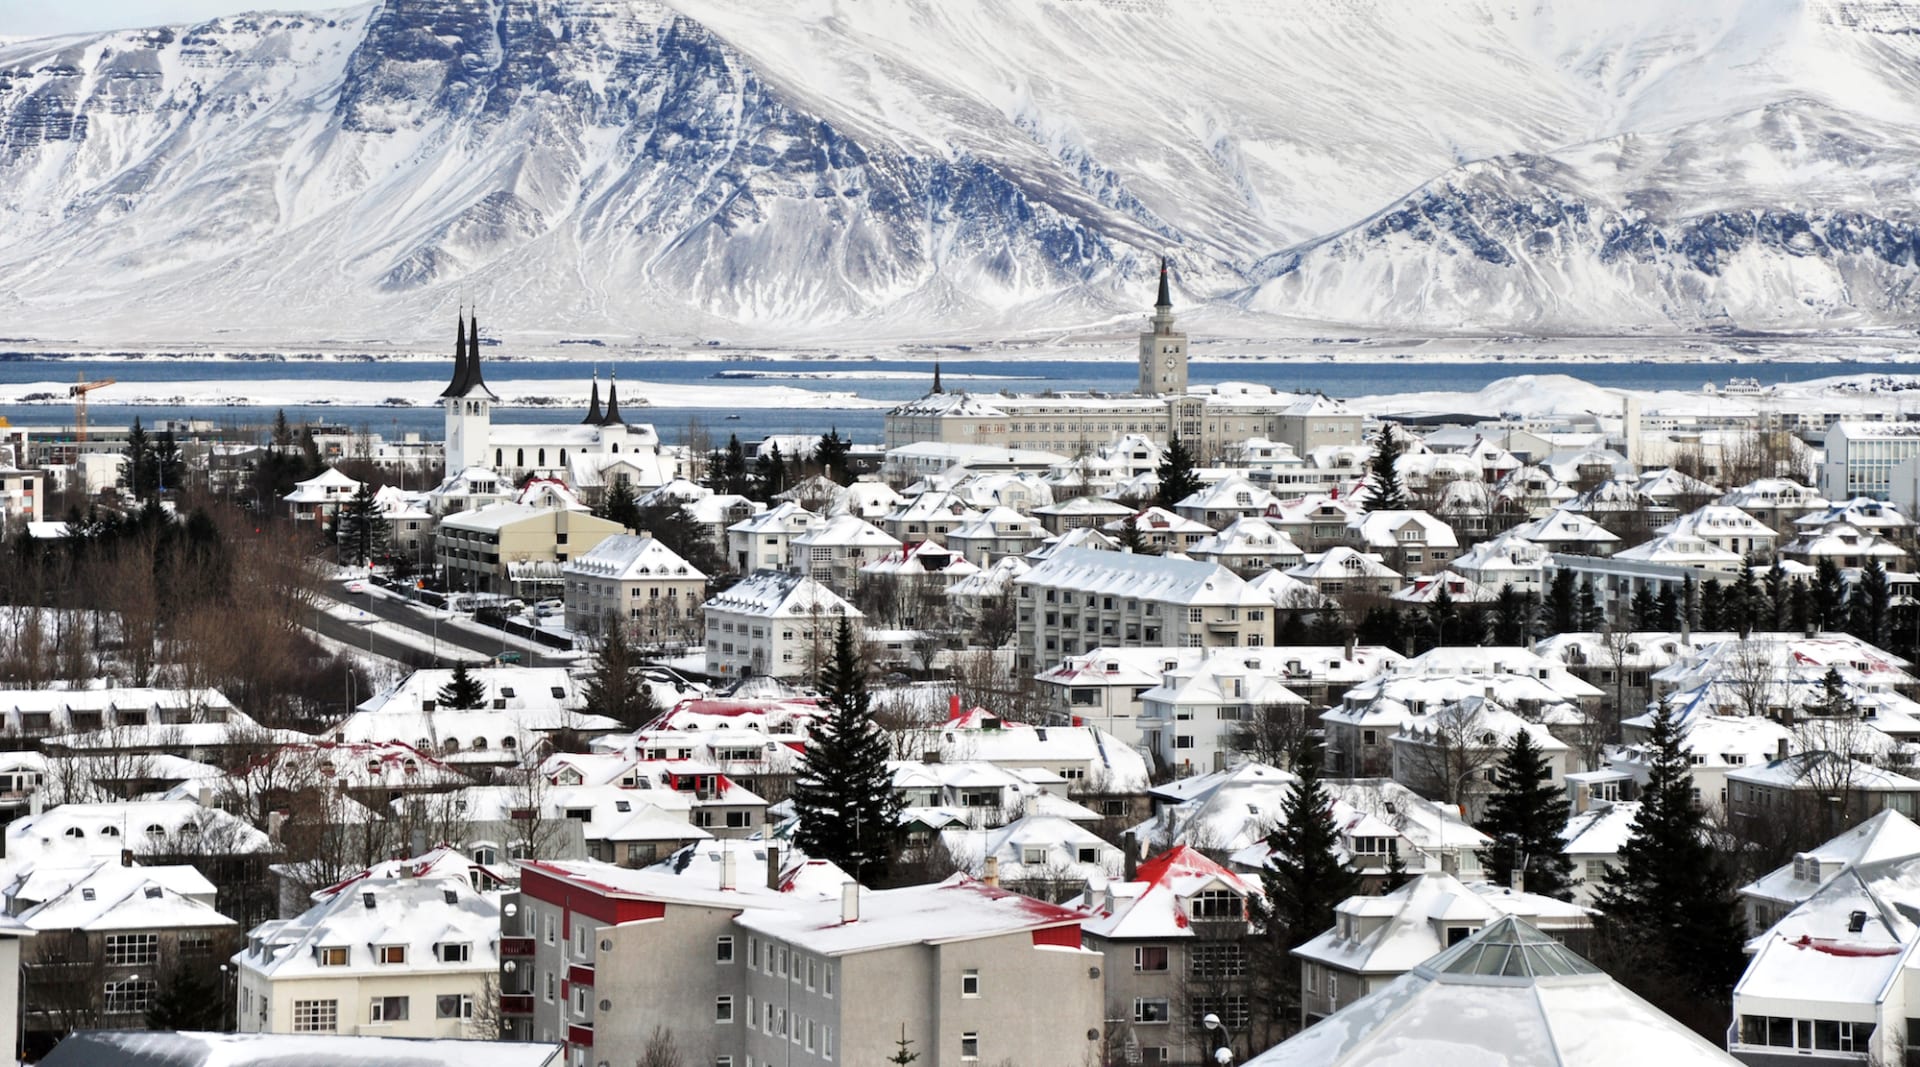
(773, 623)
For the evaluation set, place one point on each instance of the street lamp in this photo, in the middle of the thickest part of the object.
(1224, 1054)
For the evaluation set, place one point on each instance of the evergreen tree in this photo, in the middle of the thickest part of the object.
(1871, 604)
(1669, 609)
(363, 527)
(310, 464)
(1742, 603)
(1645, 609)
(168, 467)
(188, 998)
(1667, 918)
(1834, 702)
(1592, 616)
(1525, 817)
(727, 469)
(1384, 491)
(844, 793)
(831, 455)
(673, 525)
(1509, 617)
(1713, 614)
(617, 688)
(139, 461)
(1689, 603)
(1178, 477)
(1442, 612)
(1562, 607)
(463, 692)
(903, 1053)
(769, 475)
(1303, 879)
(1131, 539)
(619, 505)
(1779, 597)
(1828, 596)
(282, 438)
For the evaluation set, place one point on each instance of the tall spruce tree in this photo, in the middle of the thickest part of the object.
(1178, 477)
(1871, 604)
(831, 455)
(463, 692)
(1562, 608)
(1828, 596)
(139, 461)
(616, 688)
(1525, 817)
(363, 527)
(844, 793)
(1303, 880)
(1668, 920)
(1645, 610)
(1384, 489)
(1592, 615)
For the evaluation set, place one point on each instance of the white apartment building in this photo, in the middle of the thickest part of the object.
(1077, 599)
(774, 623)
(1862, 457)
(638, 581)
(763, 541)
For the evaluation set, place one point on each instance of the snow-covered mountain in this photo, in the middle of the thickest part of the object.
(822, 169)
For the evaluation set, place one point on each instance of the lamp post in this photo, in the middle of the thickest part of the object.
(1224, 1054)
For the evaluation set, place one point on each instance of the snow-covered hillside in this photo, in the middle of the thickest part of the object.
(812, 170)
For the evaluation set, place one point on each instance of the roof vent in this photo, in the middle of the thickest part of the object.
(153, 892)
(1856, 922)
(367, 899)
(451, 896)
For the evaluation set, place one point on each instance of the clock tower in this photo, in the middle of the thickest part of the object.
(1163, 350)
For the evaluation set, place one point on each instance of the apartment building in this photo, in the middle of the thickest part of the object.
(1079, 599)
(639, 582)
(514, 548)
(773, 623)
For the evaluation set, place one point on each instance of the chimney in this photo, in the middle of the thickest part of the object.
(276, 820)
(850, 902)
(729, 870)
(993, 872)
(773, 867)
(417, 842)
(1133, 855)
(126, 857)
(1517, 881)
(205, 796)
(1352, 640)
(1780, 749)
(953, 707)
(1582, 798)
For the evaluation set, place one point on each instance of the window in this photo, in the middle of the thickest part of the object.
(1217, 959)
(456, 953)
(387, 1010)
(970, 1045)
(128, 950)
(333, 956)
(1150, 958)
(550, 987)
(1217, 904)
(453, 1006)
(826, 1042)
(1033, 855)
(723, 950)
(392, 953)
(549, 930)
(196, 946)
(753, 953)
(969, 983)
(1088, 855)
(811, 972)
(826, 979)
(723, 1009)
(129, 997)
(1766, 1030)
(1148, 1011)
(1232, 1010)
(316, 1016)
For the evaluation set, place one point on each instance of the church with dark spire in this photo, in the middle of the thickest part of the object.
(1163, 349)
(584, 455)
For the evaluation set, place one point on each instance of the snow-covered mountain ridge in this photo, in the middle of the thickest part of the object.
(820, 169)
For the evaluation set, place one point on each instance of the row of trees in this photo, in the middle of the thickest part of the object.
(771, 472)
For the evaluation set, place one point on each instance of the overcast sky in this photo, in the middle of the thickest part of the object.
(34, 18)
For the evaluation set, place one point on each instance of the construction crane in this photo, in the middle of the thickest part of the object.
(78, 391)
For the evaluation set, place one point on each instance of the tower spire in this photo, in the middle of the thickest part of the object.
(474, 377)
(1165, 299)
(936, 377)
(593, 402)
(458, 385)
(612, 415)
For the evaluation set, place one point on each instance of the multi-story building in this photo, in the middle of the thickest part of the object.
(1410, 542)
(1078, 599)
(763, 541)
(407, 948)
(1861, 458)
(1104, 686)
(638, 581)
(774, 623)
(834, 551)
(1174, 934)
(516, 549)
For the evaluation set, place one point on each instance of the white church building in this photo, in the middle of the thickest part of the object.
(600, 450)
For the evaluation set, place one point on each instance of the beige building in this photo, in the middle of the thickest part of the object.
(1079, 599)
(638, 580)
(513, 548)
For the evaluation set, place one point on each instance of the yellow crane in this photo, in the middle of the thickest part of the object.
(78, 391)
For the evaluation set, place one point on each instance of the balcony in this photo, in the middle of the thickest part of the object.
(517, 947)
(1223, 626)
(516, 1003)
(580, 974)
(580, 1035)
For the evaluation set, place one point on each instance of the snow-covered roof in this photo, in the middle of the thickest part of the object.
(1885, 837)
(112, 897)
(419, 911)
(1158, 578)
(629, 558)
(771, 594)
(958, 909)
(151, 1048)
(1396, 931)
(1155, 904)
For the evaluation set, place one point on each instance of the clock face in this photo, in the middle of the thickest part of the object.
(1169, 362)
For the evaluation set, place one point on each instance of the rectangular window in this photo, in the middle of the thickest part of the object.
(393, 954)
(723, 1009)
(128, 998)
(1149, 1011)
(970, 1045)
(826, 1042)
(316, 1016)
(753, 953)
(387, 1010)
(810, 975)
(969, 983)
(723, 950)
(1150, 958)
(132, 950)
(333, 957)
(196, 946)
(549, 930)
(826, 979)
(1217, 959)
(456, 953)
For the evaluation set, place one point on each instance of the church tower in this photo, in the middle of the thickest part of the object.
(468, 402)
(1163, 350)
